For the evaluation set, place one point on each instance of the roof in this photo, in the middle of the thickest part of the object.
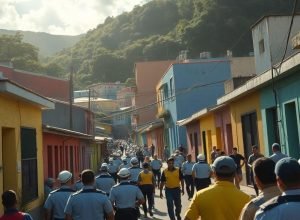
(199, 114)
(267, 16)
(66, 132)
(17, 91)
(151, 126)
(262, 80)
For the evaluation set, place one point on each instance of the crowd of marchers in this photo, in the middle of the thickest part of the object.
(129, 180)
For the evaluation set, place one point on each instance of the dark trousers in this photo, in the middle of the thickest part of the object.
(202, 183)
(147, 191)
(157, 175)
(173, 198)
(189, 185)
(128, 214)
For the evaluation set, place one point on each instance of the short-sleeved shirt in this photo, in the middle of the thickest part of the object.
(14, 213)
(187, 168)
(251, 207)
(112, 168)
(178, 161)
(253, 158)
(105, 182)
(221, 201)
(289, 210)
(202, 170)
(277, 156)
(88, 203)
(171, 178)
(237, 159)
(134, 173)
(57, 201)
(124, 195)
(156, 164)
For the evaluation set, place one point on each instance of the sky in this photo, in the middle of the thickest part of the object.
(66, 17)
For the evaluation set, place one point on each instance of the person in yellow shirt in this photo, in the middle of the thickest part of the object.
(146, 182)
(222, 200)
(172, 178)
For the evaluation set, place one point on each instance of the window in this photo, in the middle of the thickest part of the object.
(166, 92)
(261, 45)
(171, 87)
(29, 165)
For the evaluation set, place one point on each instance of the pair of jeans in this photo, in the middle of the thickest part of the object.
(147, 191)
(157, 175)
(189, 185)
(173, 197)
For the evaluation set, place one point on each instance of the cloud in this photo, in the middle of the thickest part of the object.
(68, 17)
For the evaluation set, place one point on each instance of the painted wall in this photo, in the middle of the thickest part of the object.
(194, 86)
(288, 93)
(272, 31)
(240, 107)
(156, 137)
(193, 147)
(60, 117)
(147, 75)
(15, 115)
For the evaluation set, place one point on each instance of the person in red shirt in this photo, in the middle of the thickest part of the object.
(9, 201)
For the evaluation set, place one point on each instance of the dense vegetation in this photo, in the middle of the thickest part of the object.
(159, 30)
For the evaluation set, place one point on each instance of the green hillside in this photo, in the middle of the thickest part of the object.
(47, 44)
(159, 30)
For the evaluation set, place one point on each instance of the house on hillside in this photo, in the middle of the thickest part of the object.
(22, 145)
(147, 75)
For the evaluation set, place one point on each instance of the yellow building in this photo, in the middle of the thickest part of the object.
(21, 164)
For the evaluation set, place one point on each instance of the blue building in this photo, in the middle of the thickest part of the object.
(184, 89)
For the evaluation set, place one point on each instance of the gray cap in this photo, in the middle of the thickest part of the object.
(288, 170)
(224, 162)
(103, 167)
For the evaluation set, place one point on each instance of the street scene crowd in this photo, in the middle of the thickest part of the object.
(130, 176)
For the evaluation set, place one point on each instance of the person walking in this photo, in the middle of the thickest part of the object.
(166, 153)
(213, 154)
(172, 178)
(57, 199)
(238, 158)
(88, 203)
(113, 169)
(201, 173)
(187, 170)
(104, 181)
(253, 157)
(134, 170)
(156, 166)
(222, 200)
(152, 149)
(287, 205)
(146, 183)
(277, 155)
(265, 178)
(9, 201)
(178, 159)
(125, 196)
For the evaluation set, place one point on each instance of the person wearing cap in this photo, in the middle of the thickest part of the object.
(48, 187)
(265, 178)
(113, 169)
(78, 184)
(277, 155)
(222, 200)
(146, 183)
(88, 203)
(201, 173)
(104, 181)
(124, 164)
(125, 196)
(156, 165)
(253, 157)
(178, 159)
(238, 158)
(134, 170)
(9, 201)
(172, 178)
(287, 205)
(187, 170)
(57, 199)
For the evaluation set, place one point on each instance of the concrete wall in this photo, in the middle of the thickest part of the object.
(15, 115)
(194, 149)
(273, 30)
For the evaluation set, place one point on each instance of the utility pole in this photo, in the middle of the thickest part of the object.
(71, 94)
